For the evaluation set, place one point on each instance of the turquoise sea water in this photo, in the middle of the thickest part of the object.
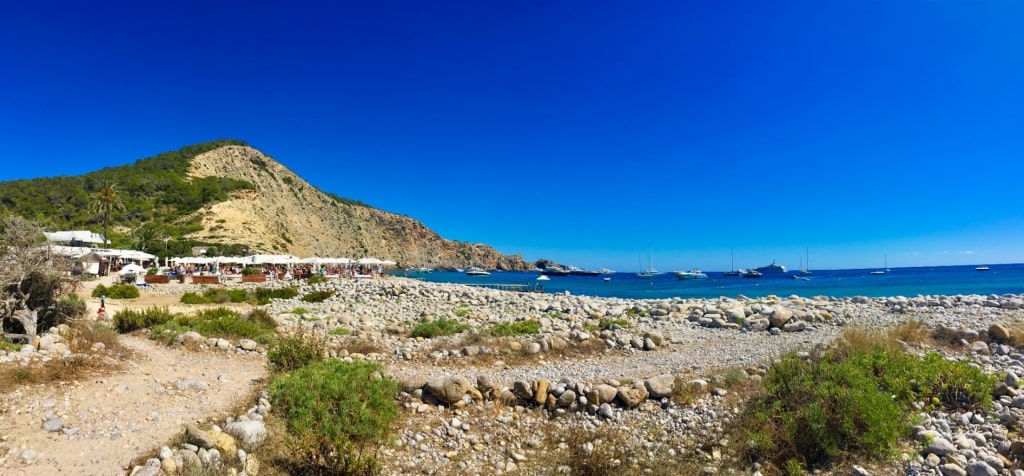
(941, 280)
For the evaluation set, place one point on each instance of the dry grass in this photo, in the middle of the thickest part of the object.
(606, 450)
(516, 351)
(82, 363)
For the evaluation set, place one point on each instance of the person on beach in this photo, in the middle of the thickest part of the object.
(101, 314)
(103, 301)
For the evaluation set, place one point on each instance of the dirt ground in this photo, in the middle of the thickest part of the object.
(111, 419)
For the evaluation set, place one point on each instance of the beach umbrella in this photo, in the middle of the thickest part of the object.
(369, 261)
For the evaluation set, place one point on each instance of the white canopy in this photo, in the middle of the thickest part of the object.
(369, 261)
(81, 236)
(131, 269)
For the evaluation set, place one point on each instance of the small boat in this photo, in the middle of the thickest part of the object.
(982, 268)
(475, 271)
(805, 265)
(879, 272)
(607, 279)
(543, 277)
(691, 274)
(606, 271)
(649, 272)
(753, 273)
(802, 278)
(732, 269)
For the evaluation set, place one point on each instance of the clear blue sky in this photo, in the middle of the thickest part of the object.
(580, 131)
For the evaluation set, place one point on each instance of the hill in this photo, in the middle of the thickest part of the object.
(232, 197)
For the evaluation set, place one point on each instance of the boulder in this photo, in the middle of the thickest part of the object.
(200, 438)
(999, 332)
(603, 393)
(540, 391)
(451, 389)
(780, 316)
(249, 433)
(660, 386)
(633, 395)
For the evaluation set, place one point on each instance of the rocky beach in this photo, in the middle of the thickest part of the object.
(473, 403)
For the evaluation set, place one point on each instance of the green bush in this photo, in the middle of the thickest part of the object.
(317, 296)
(223, 322)
(295, 352)
(518, 328)
(117, 291)
(337, 413)
(219, 322)
(440, 327)
(316, 279)
(249, 271)
(218, 296)
(264, 295)
(130, 320)
(192, 298)
(820, 410)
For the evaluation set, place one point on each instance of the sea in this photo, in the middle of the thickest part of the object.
(910, 282)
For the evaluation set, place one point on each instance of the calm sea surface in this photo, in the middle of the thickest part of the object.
(941, 280)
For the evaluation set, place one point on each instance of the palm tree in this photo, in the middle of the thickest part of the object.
(106, 202)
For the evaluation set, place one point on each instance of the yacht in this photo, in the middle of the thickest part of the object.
(752, 273)
(771, 269)
(476, 271)
(691, 274)
(982, 268)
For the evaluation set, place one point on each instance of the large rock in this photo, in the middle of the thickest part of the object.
(999, 332)
(451, 389)
(603, 393)
(633, 395)
(200, 438)
(780, 317)
(249, 433)
(411, 383)
(540, 391)
(660, 386)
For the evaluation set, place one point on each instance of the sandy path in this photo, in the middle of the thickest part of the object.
(110, 420)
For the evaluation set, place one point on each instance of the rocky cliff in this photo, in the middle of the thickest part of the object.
(287, 215)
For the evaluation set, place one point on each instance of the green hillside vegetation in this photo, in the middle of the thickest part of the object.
(154, 199)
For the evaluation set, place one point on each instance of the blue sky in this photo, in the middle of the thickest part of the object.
(584, 132)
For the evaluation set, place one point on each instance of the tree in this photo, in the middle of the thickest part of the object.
(32, 277)
(106, 202)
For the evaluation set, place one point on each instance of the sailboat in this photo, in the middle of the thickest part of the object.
(805, 267)
(732, 263)
(884, 270)
(650, 272)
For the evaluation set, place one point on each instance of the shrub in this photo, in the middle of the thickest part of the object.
(264, 295)
(223, 322)
(317, 296)
(300, 311)
(249, 271)
(339, 331)
(853, 401)
(295, 352)
(316, 279)
(192, 298)
(337, 414)
(440, 327)
(130, 320)
(518, 328)
(117, 291)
